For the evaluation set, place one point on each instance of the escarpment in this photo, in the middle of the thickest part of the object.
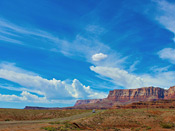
(126, 96)
(140, 94)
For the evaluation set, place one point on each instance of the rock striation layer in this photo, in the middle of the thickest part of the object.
(140, 94)
(170, 93)
(125, 96)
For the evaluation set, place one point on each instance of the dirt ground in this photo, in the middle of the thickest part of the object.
(102, 120)
(36, 125)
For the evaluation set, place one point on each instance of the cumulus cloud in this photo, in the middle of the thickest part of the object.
(50, 89)
(167, 54)
(98, 57)
(127, 80)
(24, 96)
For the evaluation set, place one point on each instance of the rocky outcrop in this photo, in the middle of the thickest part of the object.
(81, 102)
(126, 96)
(170, 93)
(140, 94)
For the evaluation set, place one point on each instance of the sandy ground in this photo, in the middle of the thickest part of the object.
(103, 120)
(35, 125)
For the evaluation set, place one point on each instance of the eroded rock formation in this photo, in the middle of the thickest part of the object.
(122, 97)
(140, 94)
(125, 96)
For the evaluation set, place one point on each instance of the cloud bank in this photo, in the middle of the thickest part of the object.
(127, 80)
(49, 89)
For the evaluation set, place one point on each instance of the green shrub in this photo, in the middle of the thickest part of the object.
(49, 128)
(63, 129)
(148, 128)
(167, 125)
(55, 122)
(138, 129)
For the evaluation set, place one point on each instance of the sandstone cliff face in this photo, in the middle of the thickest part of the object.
(140, 94)
(170, 93)
(121, 97)
(125, 96)
(81, 102)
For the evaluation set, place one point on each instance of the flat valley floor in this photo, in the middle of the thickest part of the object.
(101, 120)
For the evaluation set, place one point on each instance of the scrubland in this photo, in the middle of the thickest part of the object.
(103, 120)
(22, 114)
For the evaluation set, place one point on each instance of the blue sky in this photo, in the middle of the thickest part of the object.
(54, 52)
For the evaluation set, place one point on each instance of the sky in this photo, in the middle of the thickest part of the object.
(54, 52)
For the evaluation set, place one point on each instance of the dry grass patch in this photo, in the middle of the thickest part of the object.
(128, 119)
(22, 114)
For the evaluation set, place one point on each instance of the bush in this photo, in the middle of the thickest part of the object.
(49, 128)
(138, 129)
(148, 128)
(7, 119)
(55, 122)
(167, 125)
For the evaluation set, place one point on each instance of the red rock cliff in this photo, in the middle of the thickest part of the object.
(140, 94)
(80, 102)
(133, 95)
(170, 93)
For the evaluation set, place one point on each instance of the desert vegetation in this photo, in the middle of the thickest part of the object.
(121, 119)
(139, 119)
(21, 114)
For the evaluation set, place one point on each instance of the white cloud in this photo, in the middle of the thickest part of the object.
(51, 89)
(24, 96)
(168, 54)
(160, 69)
(127, 80)
(95, 29)
(7, 39)
(9, 98)
(166, 15)
(48, 87)
(133, 66)
(82, 47)
(118, 76)
(79, 89)
(98, 57)
(12, 67)
(28, 97)
(13, 33)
